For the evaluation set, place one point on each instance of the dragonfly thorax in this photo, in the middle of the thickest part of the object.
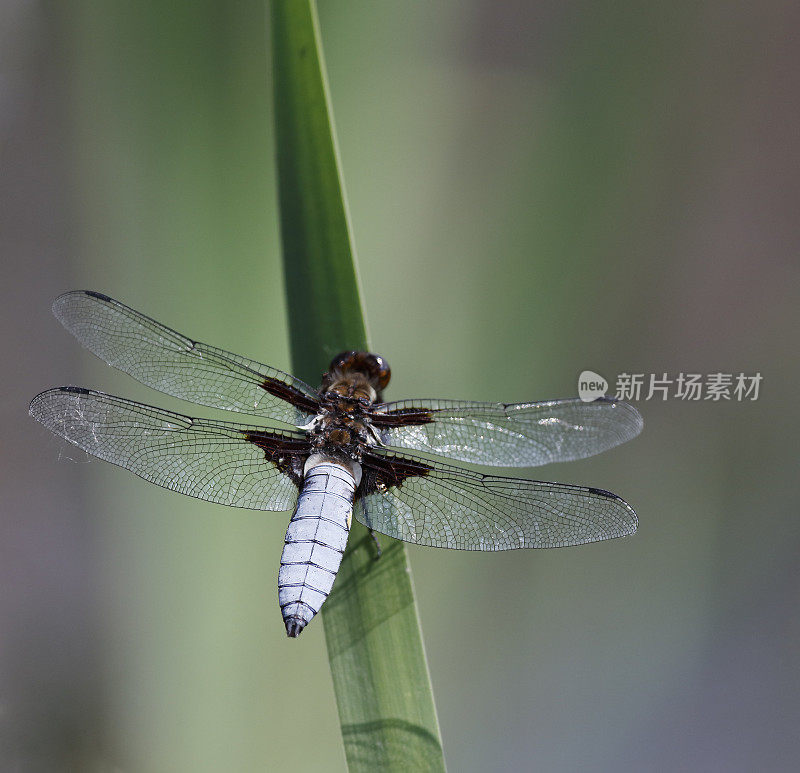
(342, 429)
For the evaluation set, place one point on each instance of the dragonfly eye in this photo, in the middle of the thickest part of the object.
(383, 372)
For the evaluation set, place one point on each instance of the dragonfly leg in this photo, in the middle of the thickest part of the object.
(377, 544)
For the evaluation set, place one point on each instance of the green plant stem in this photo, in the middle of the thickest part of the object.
(380, 676)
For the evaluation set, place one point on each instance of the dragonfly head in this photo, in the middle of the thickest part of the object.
(373, 367)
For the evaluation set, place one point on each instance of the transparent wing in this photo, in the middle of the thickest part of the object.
(515, 435)
(230, 464)
(448, 507)
(176, 365)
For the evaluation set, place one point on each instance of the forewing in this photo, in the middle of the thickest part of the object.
(176, 365)
(222, 462)
(513, 435)
(408, 498)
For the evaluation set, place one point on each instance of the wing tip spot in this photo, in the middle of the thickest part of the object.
(605, 494)
(95, 294)
(74, 390)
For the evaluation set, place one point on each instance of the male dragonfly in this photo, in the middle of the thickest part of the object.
(345, 451)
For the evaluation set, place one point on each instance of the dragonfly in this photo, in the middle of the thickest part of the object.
(341, 451)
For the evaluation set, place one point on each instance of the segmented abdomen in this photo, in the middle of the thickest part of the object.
(315, 541)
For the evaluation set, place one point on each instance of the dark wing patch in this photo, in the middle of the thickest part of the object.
(401, 417)
(381, 471)
(288, 454)
(170, 362)
(449, 507)
(291, 394)
(230, 464)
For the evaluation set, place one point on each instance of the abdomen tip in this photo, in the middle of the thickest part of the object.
(294, 626)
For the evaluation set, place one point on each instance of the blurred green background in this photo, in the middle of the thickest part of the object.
(536, 188)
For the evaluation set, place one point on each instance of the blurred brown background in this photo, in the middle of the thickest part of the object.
(536, 189)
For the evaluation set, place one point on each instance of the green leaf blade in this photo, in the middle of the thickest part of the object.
(372, 631)
(322, 289)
